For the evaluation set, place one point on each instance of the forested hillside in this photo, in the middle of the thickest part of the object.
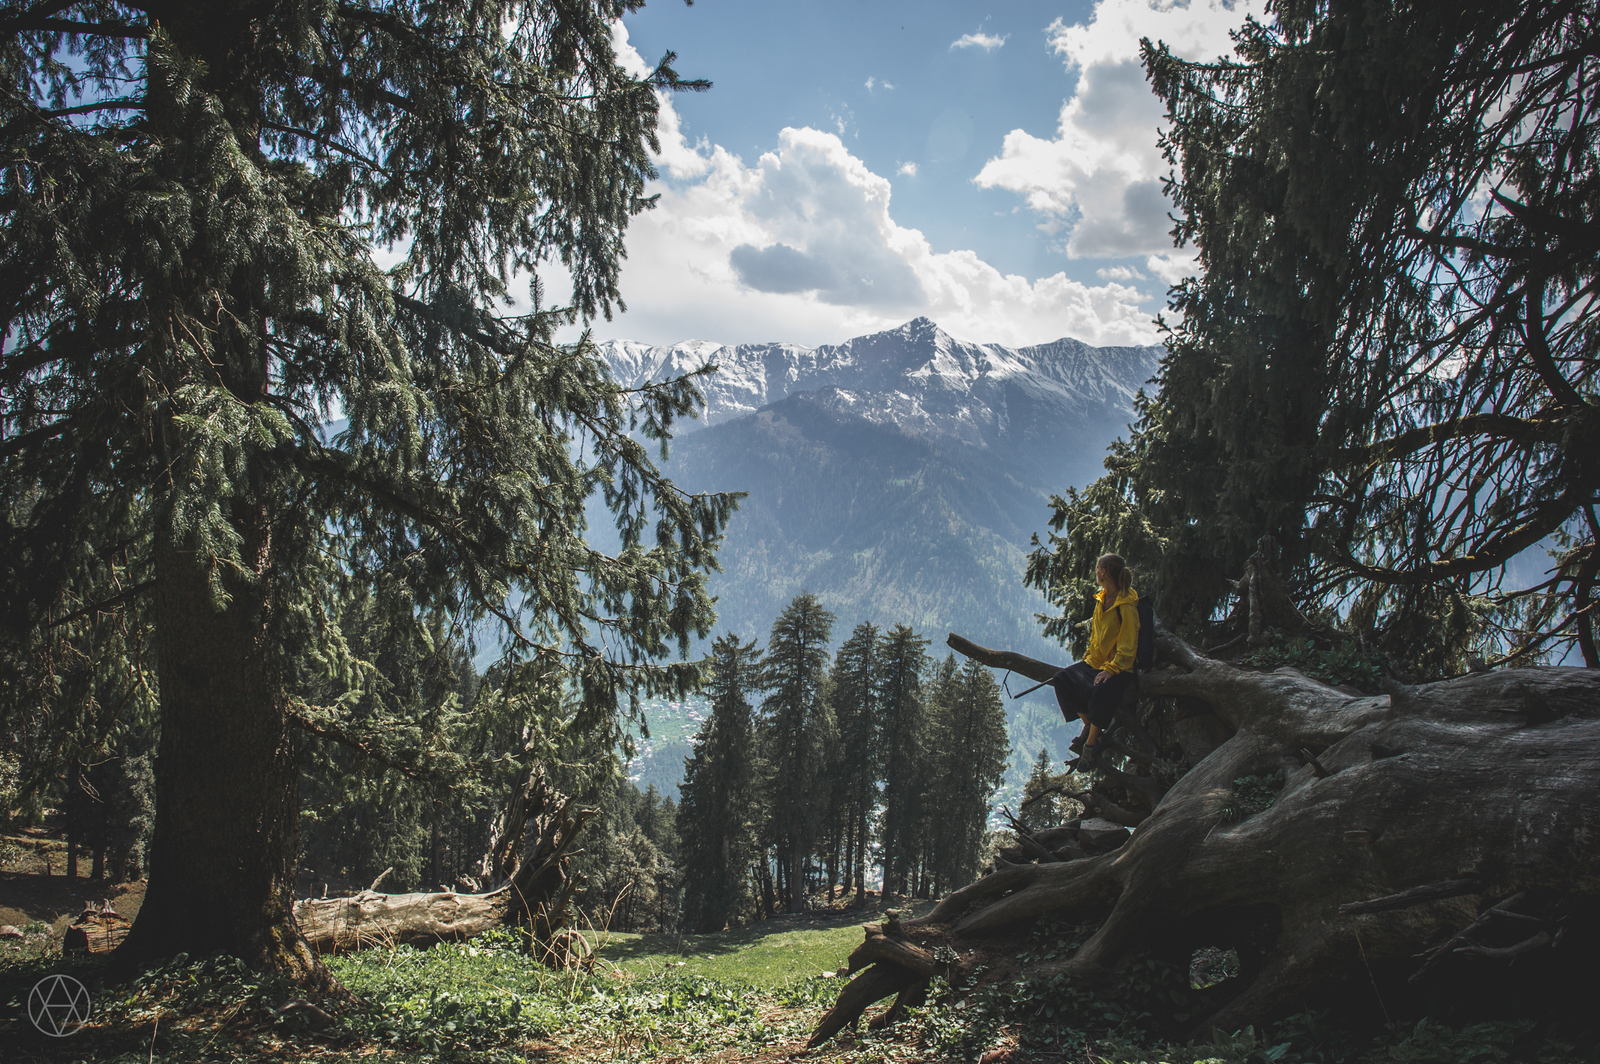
(882, 526)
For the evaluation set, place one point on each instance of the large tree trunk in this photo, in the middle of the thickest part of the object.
(1482, 788)
(226, 837)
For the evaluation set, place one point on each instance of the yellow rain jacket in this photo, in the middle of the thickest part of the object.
(1114, 633)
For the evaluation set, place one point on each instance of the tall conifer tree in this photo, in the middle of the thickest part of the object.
(194, 200)
(853, 692)
(1387, 359)
(967, 756)
(798, 728)
(1044, 813)
(718, 797)
(902, 661)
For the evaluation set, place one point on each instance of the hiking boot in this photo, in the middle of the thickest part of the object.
(1087, 759)
(1076, 746)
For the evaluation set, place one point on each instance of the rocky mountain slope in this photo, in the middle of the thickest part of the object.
(1050, 409)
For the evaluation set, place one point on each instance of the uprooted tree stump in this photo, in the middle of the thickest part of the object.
(1436, 825)
(529, 853)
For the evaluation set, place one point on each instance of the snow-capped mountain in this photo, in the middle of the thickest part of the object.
(899, 477)
(916, 378)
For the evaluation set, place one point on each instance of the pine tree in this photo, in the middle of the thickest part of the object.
(967, 753)
(657, 818)
(1386, 361)
(797, 730)
(357, 822)
(195, 200)
(627, 878)
(902, 661)
(1045, 812)
(853, 693)
(717, 809)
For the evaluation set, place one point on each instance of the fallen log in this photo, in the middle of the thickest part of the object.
(535, 898)
(367, 919)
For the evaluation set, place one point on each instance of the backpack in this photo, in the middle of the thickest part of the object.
(1146, 652)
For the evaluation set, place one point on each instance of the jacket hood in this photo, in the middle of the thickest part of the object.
(1124, 598)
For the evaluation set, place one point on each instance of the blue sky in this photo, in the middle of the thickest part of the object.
(858, 164)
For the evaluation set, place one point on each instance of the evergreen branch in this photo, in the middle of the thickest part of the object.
(1497, 551)
(1437, 238)
(326, 142)
(120, 103)
(1488, 425)
(125, 30)
(17, 444)
(320, 464)
(320, 721)
(20, 24)
(105, 605)
(1538, 640)
(1539, 351)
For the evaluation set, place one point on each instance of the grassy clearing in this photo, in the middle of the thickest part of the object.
(769, 955)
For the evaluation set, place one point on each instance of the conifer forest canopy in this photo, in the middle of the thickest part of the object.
(1387, 361)
(201, 202)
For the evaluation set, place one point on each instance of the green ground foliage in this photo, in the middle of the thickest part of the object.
(751, 994)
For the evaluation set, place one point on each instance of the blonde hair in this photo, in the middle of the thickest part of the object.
(1117, 569)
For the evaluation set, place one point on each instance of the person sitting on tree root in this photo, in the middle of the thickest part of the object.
(1092, 688)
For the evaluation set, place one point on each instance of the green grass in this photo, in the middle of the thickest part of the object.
(769, 955)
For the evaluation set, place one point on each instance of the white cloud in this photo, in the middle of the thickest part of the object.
(987, 41)
(1174, 266)
(802, 246)
(1100, 175)
(871, 81)
(1119, 273)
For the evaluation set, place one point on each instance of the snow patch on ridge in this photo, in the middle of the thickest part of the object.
(917, 378)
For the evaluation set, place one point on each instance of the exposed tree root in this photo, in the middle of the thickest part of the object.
(1422, 806)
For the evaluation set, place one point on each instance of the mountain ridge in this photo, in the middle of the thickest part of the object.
(919, 379)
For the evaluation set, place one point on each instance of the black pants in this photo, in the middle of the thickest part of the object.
(1078, 695)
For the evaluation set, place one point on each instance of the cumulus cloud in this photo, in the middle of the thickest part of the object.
(1174, 266)
(909, 169)
(987, 41)
(1119, 273)
(1099, 177)
(801, 245)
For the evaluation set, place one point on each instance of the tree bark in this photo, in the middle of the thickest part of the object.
(222, 857)
(1489, 778)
